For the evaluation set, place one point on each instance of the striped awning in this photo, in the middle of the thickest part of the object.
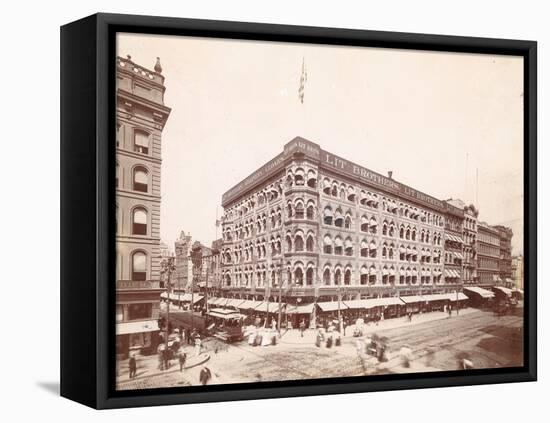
(479, 291)
(331, 306)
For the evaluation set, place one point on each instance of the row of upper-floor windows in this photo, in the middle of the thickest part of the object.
(330, 277)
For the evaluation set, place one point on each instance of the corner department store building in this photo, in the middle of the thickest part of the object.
(311, 226)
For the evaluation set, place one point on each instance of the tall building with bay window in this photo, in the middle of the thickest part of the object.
(141, 116)
(311, 226)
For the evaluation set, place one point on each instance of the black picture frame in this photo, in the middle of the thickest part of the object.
(87, 216)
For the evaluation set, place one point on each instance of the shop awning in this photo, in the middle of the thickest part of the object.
(234, 302)
(273, 307)
(225, 314)
(504, 290)
(412, 299)
(331, 306)
(479, 291)
(373, 302)
(249, 305)
(136, 327)
(461, 296)
(458, 255)
(300, 308)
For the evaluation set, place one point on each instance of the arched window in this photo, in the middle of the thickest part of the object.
(309, 276)
(347, 277)
(139, 221)
(338, 246)
(347, 222)
(288, 243)
(298, 276)
(364, 224)
(327, 244)
(117, 177)
(348, 247)
(298, 243)
(299, 177)
(141, 142)
(141, 179)
(364, 248)
(326, 186)
(338, 218)
(334, 191)
(328, 216)
(310, 213)
(364, 275)
(401, 232)
(337, 277)
(299, 211)
(351, 194)
(139, 266)
(372, 249)
(326, 277)
(309, 243)
(311, 179)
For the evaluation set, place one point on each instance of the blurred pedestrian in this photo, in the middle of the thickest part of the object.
(132, 365)
(302, 328)
(182, 357)
(205, 375)
(197, 345)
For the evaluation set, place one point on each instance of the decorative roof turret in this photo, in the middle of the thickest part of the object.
(158, 67)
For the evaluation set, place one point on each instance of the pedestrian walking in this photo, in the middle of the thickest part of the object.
(197, 345)
(302, 328)
(160, 353)
(132, 365)
(449, 310)
(205, 375)
(182, 357)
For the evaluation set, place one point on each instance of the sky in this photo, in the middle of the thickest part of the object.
(447, 124)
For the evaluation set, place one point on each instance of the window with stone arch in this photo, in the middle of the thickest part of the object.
(326, 276)
(310, 243)
(298, 243)
(139, 221)
(347, 277)
(139, 266)
(140, 179)
(309, 276)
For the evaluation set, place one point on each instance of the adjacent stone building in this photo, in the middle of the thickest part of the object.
(140, 119)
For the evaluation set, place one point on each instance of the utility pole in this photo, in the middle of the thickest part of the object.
(280, 294)
(196, 258)
(167, 269)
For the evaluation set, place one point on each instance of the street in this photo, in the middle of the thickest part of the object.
(434, 339)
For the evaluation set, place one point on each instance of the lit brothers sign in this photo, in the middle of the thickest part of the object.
(328, 160)
(379, 181)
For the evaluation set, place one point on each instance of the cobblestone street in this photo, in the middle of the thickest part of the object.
(435, 341)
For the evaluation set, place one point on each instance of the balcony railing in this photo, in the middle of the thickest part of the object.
(128, 284)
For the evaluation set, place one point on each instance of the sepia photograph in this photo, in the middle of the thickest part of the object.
(290, 211)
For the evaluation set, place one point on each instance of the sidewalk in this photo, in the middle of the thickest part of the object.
(147, 366)
(293, 336)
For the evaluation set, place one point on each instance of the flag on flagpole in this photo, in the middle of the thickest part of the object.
(303, 80)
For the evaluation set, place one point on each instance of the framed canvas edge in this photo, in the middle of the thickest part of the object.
(108, 24)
